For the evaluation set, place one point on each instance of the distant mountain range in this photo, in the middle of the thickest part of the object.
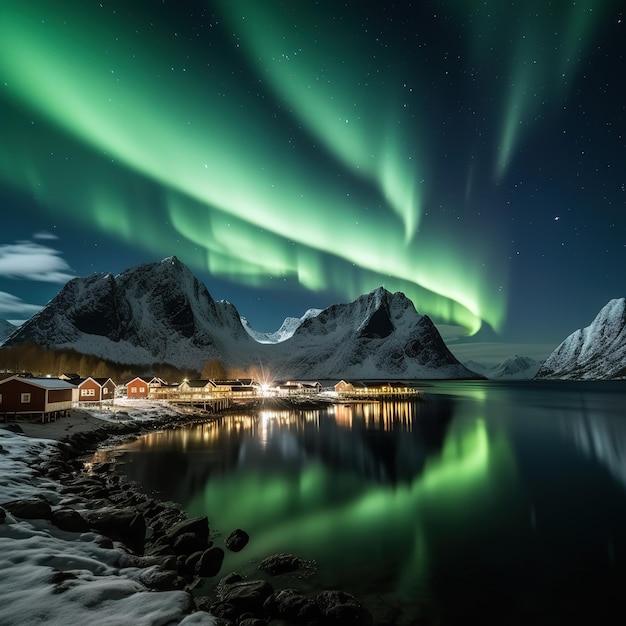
(597, 351)
(161, 313)
(514, 368)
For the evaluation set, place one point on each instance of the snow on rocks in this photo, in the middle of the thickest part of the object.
(52, 576)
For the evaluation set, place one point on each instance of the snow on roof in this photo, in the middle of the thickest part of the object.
(46, 383)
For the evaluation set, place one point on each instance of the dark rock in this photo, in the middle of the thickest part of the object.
(29, 508)
(210, 562)
(125, 525)
(69, 520)
(237, 540)
(191, 561)
(280, 564)
(229, 579)
(3, 515)
(188, 543)
(291, 604)
(339, 607)
(249, 595)
(223, 610)
(161, 580)
(198, 526)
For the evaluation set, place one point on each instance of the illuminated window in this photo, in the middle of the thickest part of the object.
(25, 398)
(87, 392)
(142, 390)
(133, 389)
(105, 391)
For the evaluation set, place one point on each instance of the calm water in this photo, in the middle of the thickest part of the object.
(498, 502)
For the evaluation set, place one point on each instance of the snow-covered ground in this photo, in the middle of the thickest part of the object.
(49, 576)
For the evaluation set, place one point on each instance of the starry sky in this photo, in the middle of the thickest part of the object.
(471, 154)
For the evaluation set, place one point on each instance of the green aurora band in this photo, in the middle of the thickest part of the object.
(536, 47)
(137, 124)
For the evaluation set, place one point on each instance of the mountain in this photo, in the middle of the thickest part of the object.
(160, 313)
(597, 351)
(287, 329)
(6, 328)
(380, 334)
(153, 313)
(513, 368)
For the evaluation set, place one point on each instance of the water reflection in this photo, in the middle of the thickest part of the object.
(487, 497)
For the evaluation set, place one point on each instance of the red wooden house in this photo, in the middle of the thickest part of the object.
(45, 398)
(137, 388)
(96, 389)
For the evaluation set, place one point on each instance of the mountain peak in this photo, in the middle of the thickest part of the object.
(594, 352)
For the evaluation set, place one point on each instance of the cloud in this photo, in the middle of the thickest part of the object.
(44, 234)
(28, 260)
(12, 304)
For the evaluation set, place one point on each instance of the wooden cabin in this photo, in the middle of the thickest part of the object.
(96, 389)
(41, 398)
(137, 388)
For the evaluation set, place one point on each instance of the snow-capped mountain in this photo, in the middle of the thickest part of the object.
(160, 313)
(153, 313)
(597, 351)
(379, 334)
(6, 328)
(287, 329)
(513, 368)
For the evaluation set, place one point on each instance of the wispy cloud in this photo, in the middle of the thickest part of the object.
(44, 234)
(10, 304)
(28, 260)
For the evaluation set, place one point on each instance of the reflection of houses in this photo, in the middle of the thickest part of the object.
(374, 389)
(96, 389)
(137, 388)
(45, 398)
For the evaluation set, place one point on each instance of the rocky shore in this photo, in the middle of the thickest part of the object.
(168, 550)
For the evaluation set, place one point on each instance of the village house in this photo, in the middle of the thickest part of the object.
(96, 389)
(137, 388)
(42, 398)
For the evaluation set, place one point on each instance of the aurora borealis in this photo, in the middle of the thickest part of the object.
(470, 154)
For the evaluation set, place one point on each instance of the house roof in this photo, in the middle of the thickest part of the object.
(99, 381)
(44, 383)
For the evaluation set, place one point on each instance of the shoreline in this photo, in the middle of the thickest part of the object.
(174, 551)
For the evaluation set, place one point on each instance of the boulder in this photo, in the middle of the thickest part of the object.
(339, 607)
(186, 543)
(198, 526)
(125, 525)
(292, 605)
(69, 520)
(247, 596)
(210, 563)
(237, 540)
(29, 508)
(280, 564)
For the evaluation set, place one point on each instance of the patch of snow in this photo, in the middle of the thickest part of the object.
(59, 578)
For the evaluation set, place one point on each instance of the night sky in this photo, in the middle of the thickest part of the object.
(296, 154)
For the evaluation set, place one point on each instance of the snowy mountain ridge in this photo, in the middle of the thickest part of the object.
(513, 368)
(597, 351)
(161, 313)
(286, 330)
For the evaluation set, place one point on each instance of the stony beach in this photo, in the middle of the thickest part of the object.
(158, 556)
